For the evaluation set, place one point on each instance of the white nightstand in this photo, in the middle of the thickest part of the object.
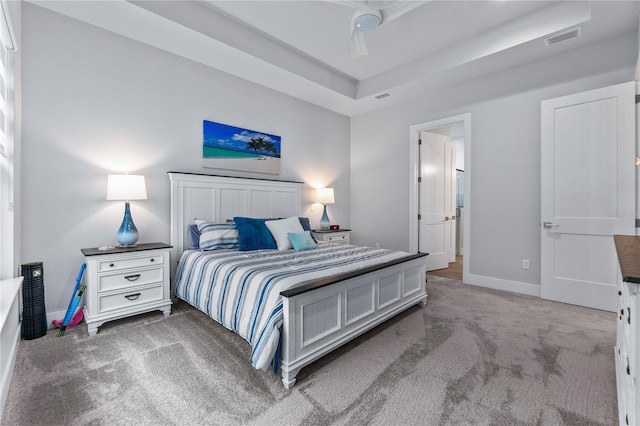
(340, 236)
(126, 281)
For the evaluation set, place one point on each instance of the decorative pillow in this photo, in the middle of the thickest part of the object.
(302, 241)
(253, 234)
(215, 236)
(193, 237)
(304, 221)
(280, 228)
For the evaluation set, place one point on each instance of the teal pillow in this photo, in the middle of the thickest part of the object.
(302, 241)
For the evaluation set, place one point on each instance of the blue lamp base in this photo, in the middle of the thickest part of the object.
(324, 220)
(128, 233)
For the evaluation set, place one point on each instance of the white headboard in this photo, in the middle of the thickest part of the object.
(220, 198)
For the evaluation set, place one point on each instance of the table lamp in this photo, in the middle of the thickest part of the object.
(126, 187)
(324, 196)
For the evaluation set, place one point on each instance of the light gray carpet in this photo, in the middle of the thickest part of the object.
(471, 356)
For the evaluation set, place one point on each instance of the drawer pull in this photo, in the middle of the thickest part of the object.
(132, 277)
(628, 367)
(135, 296)
(152, 259)
(619, 293)
(621, 314)
(629, 315)
(111, 265)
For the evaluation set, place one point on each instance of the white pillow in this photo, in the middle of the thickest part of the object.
(280, 228)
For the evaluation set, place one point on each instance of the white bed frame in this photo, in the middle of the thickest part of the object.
(320, 316)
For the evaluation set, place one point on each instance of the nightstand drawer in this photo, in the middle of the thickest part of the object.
(108, 282)
(129, 298)
(126, 262)
(336, 238)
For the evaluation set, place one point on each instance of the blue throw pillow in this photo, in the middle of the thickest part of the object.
(193, 237)
(304, 221)
(302, 241)
(253, 234)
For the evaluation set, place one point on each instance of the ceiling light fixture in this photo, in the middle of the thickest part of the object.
(368, 19)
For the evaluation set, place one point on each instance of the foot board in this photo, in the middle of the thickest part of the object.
(318, 320)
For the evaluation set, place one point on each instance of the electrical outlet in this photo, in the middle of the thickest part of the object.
(525, 264)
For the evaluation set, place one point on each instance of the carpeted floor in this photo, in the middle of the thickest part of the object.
(471, 356)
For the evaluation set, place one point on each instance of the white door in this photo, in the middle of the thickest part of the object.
(588, 193)
(437, 200)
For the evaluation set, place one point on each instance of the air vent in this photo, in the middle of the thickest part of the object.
(566, 35)
(382, 96)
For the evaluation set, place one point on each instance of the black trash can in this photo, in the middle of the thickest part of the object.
(34, 315)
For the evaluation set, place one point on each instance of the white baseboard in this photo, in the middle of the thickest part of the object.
(5, 380)
(505, 285)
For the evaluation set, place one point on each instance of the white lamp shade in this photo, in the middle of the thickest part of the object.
(126, 187)
(325, 196)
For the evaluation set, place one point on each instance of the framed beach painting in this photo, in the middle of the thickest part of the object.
(235, 148)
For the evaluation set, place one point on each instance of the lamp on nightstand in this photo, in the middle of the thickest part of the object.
(126, 187)
(324, 196)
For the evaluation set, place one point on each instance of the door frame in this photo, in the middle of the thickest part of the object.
(414, 189)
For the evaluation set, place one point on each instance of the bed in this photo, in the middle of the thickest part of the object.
(292, 306)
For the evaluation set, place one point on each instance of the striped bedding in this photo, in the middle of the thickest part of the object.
(241, 289)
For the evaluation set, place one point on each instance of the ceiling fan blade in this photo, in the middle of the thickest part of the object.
(354, 4)
(358, 46)
(399, 8)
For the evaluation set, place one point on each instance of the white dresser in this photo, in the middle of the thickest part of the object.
(627, 351)
(126, 281)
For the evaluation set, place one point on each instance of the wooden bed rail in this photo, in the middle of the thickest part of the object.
(312, 285)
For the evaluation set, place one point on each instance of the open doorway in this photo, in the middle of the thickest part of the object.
(439, 187)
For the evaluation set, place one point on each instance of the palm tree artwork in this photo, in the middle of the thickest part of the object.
(236, 148)
(260, 145)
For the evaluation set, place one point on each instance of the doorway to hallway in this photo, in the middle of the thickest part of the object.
(454, 271)
(439, 222)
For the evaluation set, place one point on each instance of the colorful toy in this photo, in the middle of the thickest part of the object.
(72, 317)
(78, 316)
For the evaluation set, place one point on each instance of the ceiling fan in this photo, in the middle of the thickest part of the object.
(368, 16)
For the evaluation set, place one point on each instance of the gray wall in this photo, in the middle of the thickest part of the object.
(96, 103)
(504, 159)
